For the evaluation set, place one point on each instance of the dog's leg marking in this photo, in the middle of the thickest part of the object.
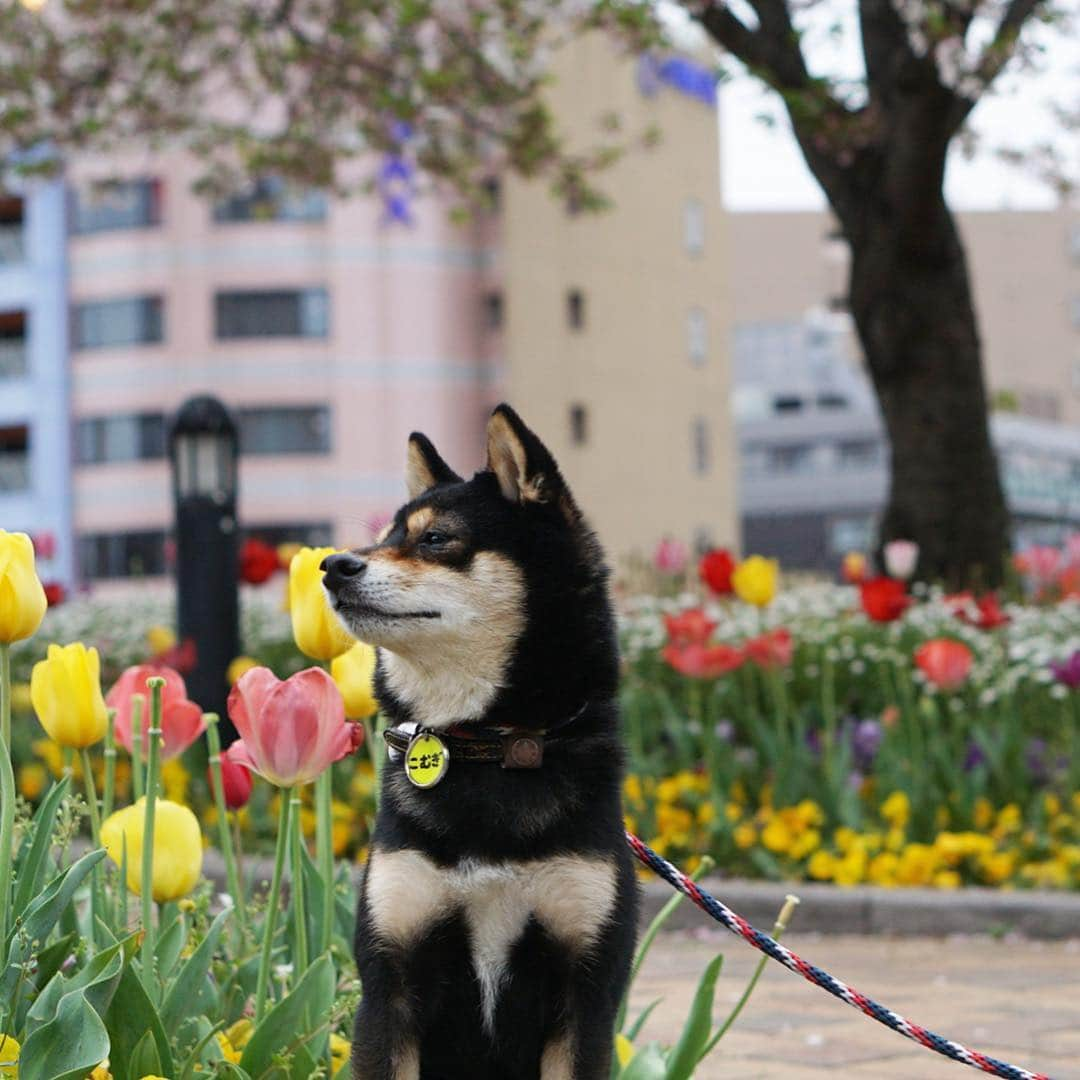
(572, 896)
(407, 1064)
(406, 892)
(558, 1060)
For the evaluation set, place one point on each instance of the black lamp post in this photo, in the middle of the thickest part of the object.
(203, 450)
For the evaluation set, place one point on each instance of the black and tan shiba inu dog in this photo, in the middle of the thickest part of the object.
(498, 911)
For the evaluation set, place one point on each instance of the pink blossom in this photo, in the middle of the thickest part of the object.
(181, 720)
(671, 556)
(291, 731)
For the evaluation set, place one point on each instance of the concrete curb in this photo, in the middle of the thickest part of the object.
(829, 909)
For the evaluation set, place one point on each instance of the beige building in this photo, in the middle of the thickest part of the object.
(617, 330)
(1025, 266)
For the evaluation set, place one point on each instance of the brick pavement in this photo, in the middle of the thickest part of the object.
(1016, 999)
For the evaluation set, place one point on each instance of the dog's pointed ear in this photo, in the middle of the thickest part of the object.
(522, 464)
(424, 468)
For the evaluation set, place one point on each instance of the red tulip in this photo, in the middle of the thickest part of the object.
(702, 661)
(236, 780)
(291, 731)
(715, 570)
(54, 593)
(690, 627)
(985, 613)
(181, 720)
(774, 649)
(258, 562)
(884, 599)
(945, 663)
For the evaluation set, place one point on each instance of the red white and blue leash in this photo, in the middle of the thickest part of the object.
(770, 947)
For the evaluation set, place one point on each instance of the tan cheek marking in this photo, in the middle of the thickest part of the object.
(573, 896)
(558, 1061)
(405, 892)
(384, 532)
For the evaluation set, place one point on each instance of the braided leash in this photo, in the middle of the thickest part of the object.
(763, 943)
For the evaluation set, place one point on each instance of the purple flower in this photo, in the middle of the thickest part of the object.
(865, 740)
(1035, 756)
(974, 757)
(1068, 671)
(855, 780)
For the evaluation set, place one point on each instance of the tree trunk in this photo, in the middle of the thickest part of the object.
(911, 301)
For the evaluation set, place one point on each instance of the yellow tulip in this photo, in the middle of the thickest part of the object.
(755, 580)
(237, 667)
(9, 1056)
(316, 630)
(178, 851)
(354, 673)
(624, 1050)
(65, 689)
(22, 598)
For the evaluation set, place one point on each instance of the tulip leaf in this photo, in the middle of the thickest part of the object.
(41, 916)
(646, 1064)
(33, 858)
(188, 984)
(46, 965)
(131, 1014)
(684, 1057)
(284, 1026)
(634, 1030)
(170, 945)
(97, 982)
(69, 1046)
(144, 1060)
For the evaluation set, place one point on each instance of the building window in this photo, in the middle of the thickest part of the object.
(697, 336)
(119, 204)
(839, 305)
(308, 533)
(493, 311)
(14, 458)
(136, 320)
(831, 401)
(106, 439)
(272, 313)
(856, 454)
(787, 404)
(12, 345)
(271, 198)
(575, 309)
(122, 555)
(699, 445)
(11, 230)
(694, 226)
(579, 425)
(793, 458)
(301, 429)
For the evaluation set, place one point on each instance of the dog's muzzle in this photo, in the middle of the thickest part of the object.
(341, 570)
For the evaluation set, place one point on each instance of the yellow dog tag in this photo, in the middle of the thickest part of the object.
(426, 760)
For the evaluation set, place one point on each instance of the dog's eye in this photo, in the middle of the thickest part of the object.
(434, 538)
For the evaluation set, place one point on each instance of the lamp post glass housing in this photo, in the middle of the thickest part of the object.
(203, 448)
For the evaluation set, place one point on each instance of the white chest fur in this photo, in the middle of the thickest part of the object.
(571, 896)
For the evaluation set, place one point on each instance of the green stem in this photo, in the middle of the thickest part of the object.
(137, 702)
(97, 908)
(271, 907)
(232, 875)
(149, 946)
(299, 905)
(373, 738)
(107, 798)
(779, 927)
(7, 794)
(324, 852)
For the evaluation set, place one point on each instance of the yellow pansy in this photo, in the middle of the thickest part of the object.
(65, 688)
(745, 836)
(22, 597)
(822, 865)
(9, 1056)
(340, 1052)
(160, 639)
(354, 673)
(178, 850)
(896, 809)
(316, 629)
(755, 580)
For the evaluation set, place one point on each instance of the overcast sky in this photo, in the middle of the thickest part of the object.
(763, 170)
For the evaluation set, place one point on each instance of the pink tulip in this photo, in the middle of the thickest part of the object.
(181, 720)
(291, 731)
(945, 663)
(671, 556)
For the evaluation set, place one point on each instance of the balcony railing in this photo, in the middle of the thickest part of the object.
(14, 472)
(11, 245)
(12, 359)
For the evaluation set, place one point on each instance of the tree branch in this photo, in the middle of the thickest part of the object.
(772, 51)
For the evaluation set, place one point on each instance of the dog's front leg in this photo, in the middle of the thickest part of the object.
(385, 1046)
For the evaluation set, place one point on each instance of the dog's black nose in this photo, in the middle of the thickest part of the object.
(341, 569)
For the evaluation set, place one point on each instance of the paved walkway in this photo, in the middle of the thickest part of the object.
(1014, 999)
